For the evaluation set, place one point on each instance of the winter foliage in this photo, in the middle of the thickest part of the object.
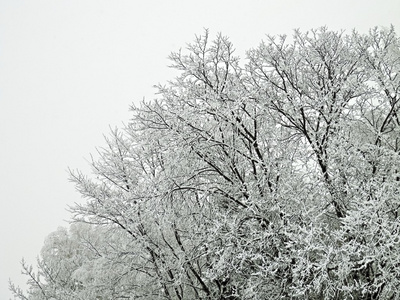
(273, 177)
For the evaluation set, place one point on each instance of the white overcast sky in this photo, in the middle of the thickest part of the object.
(69, 69)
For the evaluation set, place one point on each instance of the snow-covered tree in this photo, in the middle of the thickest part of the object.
(277, 178)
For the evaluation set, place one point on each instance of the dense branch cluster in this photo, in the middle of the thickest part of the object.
(277, 178)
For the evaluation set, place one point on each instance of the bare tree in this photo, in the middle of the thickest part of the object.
(274, 179)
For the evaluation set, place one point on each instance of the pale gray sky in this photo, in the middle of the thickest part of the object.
(71, 68)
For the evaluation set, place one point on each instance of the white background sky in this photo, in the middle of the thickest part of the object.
(70, 69)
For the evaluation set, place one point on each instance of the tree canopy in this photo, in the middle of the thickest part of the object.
(273, 177)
